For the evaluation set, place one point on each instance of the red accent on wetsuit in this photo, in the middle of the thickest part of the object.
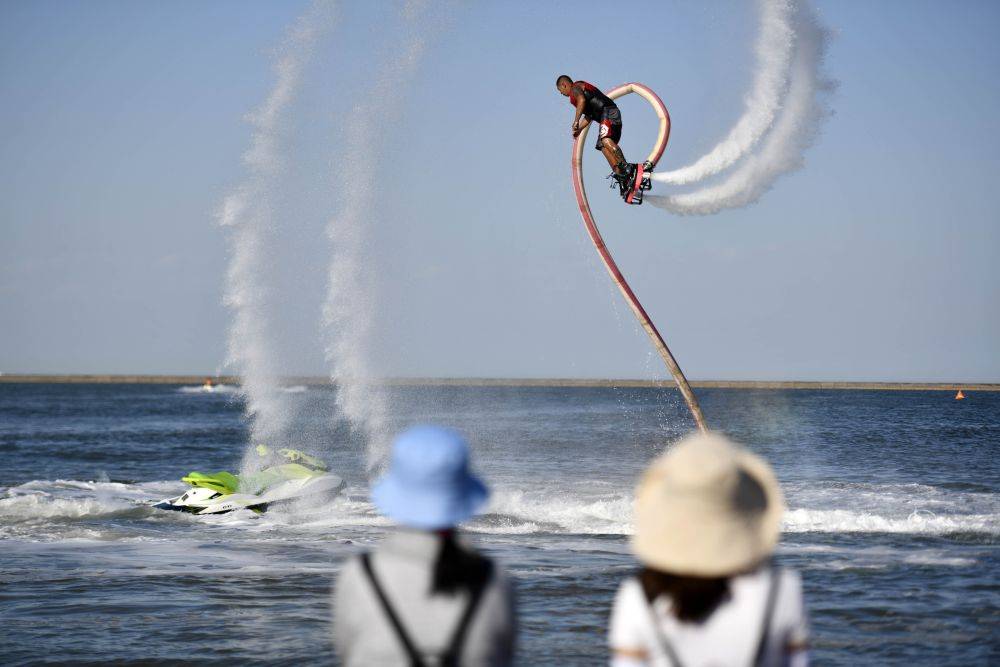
(587, 88)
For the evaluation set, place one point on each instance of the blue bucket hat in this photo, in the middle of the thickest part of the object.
(429, 485)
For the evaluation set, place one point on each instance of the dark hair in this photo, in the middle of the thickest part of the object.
(560, 78)
(694, 598)
(457, 568)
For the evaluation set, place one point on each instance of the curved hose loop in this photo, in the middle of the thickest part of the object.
(595, 236)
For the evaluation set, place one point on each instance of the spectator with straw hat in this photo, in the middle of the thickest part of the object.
(423, 596)
(707, 520)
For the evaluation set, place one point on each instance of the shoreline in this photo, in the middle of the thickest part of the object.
(28, 378)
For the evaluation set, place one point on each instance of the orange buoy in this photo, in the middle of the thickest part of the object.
(959, 396)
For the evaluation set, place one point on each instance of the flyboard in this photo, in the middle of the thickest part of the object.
(602, 249)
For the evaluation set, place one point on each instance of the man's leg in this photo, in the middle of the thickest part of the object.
(613, 154)
(623, 171)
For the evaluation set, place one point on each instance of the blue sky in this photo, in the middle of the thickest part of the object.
(123, 126)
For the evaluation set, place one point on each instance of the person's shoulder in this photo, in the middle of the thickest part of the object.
(499, 596)
(498, 569)
(630, 620)
(630, 592)
(790, 590)
(789, 580)
(791, 617)
(352, 568)
(787, 585)
(500, 578)
(350, 587)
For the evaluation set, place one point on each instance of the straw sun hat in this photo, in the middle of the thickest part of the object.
(707, 508)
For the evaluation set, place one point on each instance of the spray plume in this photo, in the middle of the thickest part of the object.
(248, 214)
(351, 283)
(774, 52)
(782, 119)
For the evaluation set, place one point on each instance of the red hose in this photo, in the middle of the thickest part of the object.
(602, 249)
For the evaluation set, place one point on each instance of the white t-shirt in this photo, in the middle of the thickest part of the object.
(729, 636)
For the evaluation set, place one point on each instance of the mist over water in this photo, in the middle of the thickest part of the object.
(783, 114)
(269, 233)
(351, 297)
(249, 214)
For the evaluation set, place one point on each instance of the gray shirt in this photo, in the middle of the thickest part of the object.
(403, 564)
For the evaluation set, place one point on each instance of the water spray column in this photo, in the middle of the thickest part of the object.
(602, 249)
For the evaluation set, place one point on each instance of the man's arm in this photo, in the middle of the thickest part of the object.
(581, 102)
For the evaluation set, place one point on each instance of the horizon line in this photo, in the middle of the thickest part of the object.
(157, 378)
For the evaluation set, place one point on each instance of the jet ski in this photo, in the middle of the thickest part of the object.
(292, 476)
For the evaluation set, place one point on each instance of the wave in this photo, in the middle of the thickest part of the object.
(73, 499)
(235, 389)
(920, 522)
(518, 511)
(214, 389)
(824, 507)
(31, 507)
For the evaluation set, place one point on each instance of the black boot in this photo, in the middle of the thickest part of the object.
(620, 181)
(627, 177)
(620, 177)
(630, 171)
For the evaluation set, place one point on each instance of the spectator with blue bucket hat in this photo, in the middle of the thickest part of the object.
(423, 596)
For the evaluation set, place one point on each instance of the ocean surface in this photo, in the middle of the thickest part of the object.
(894, 518)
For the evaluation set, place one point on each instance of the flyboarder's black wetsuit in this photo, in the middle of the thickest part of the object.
(599, 108)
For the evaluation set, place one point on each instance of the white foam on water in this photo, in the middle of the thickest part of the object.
(72, 488)
(858, 507)
(820, 507)
(45, 508)
(33, 506)
(215, 389)
(938, 559)
(840, 557)
(918, 522)
(513, 511)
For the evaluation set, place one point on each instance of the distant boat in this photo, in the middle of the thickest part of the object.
(959, 396)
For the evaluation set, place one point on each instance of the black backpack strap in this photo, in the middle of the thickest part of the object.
(451, 656)
(765, 630)
(404, 638)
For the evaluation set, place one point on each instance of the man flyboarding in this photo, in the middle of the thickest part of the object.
(593, 105)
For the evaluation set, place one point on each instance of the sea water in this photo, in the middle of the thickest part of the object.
(893, 521)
